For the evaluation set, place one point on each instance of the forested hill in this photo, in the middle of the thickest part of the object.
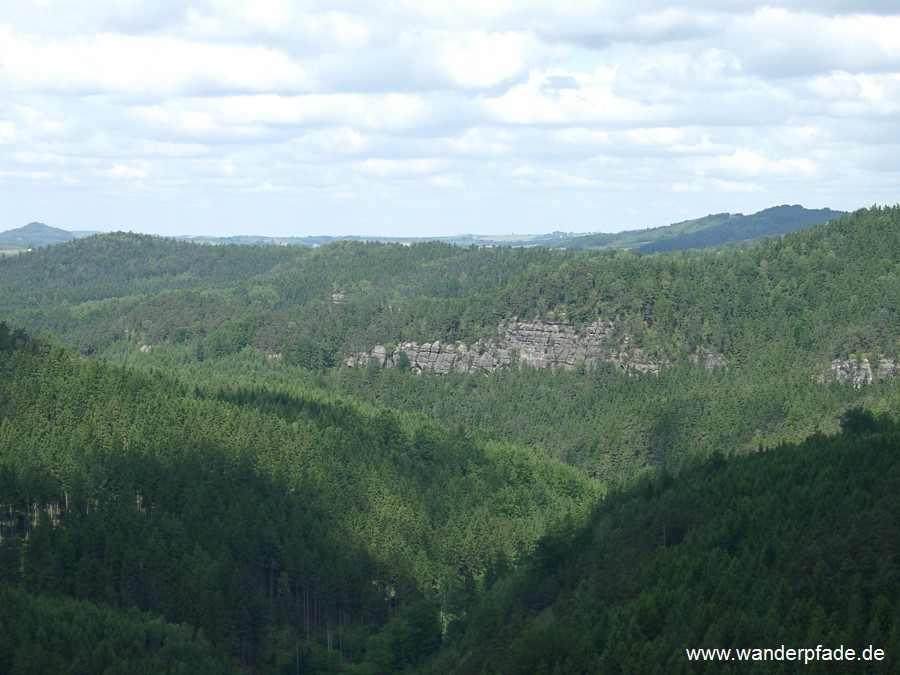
(798, 546)
(743, 343)
(712, 230)
(285, 524)
(824, 292)
(35, 235)
(277, 450)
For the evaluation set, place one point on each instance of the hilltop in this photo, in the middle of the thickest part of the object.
(711, 230)
(703, 349)
(36, 235)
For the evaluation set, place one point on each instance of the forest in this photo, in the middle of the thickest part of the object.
(204, 469)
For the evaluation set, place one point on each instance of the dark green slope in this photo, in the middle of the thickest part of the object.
(709, 231)
(771, 222)
(273, 518)
(76, 637)
(798, 546)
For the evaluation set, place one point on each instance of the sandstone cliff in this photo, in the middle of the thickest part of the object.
(536, 343)
(859, 371)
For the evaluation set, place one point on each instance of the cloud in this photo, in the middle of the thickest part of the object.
(470, 115)
(778, 43)
(159, 66)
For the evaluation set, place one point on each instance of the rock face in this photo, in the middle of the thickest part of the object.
(858, 372)
(537, 344)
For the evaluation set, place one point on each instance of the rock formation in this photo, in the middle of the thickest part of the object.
(536, 343)
(859, 371)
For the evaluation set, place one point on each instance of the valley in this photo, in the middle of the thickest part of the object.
(382, 457)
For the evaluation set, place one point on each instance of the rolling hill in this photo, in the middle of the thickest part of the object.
(711, 230)
(376, 457)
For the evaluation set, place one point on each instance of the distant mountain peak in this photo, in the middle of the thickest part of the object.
(36, 234)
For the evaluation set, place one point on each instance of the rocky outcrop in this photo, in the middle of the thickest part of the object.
(439, 357)
(549, 344)
(859, 371)
(536, 343)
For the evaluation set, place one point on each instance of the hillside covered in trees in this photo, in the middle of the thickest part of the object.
(799, 545)
(712, 230)
(740, 339)
(820, 292)
(249, 452)
(252, 512)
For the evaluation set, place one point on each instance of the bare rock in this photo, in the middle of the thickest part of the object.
(858, 371)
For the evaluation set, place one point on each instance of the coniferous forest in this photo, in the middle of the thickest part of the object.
(386, 458)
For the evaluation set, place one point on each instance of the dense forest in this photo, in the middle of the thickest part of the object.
(252, 512)
(190, 466)
(799, 545)
(814, 295)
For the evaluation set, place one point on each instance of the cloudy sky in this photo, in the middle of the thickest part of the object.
(409, 117)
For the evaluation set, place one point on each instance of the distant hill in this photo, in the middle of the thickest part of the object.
(711, 230)
(462, 240)
(36, 235)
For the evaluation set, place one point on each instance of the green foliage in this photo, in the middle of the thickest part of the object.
(54, 635)
(229, 337)
(305, 352)
(412, 635)
(857, 421)
(795, 546)
(10, 340)
(232, 475)
(253, 511)
(807, 298)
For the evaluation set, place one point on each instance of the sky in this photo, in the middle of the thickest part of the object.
(421, 118)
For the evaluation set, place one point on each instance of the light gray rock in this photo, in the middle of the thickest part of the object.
(535, 343)
(858, 371)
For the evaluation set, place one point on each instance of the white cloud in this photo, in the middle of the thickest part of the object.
(537, 101)
(415, 114)
(775, 42)
(478, 59)
(160, 66)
